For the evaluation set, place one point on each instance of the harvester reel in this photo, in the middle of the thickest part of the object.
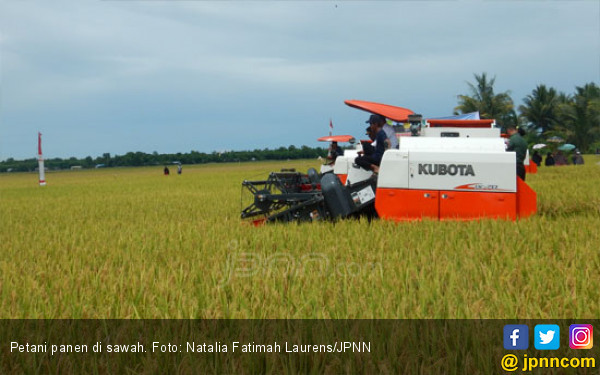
(292, 196)
(261, 201)
(284, 196)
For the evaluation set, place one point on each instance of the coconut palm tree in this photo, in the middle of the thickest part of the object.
(540, 108)
(484, 100)
(580, 118)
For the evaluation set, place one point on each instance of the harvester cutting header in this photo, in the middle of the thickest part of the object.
(443, 169)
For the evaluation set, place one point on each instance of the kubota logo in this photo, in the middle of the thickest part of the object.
(444, 169)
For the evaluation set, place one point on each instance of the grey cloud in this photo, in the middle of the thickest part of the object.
(89, 68)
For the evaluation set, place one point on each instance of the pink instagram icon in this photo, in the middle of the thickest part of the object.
(581, 336)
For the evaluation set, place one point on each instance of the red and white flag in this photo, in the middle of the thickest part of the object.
(39, 143)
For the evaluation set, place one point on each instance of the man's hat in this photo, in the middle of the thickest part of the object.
(376, 119)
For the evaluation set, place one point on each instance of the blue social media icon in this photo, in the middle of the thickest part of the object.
(516, 337)
(546, 336)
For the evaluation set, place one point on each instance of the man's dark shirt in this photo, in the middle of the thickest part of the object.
(380, 138)
(517, 144)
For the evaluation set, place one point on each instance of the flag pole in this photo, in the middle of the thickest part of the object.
(41, 161)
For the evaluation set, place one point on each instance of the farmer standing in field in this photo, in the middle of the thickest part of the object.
(517, 144)
(577, 158)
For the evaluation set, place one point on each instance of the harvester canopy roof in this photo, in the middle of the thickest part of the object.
(394, 113)
(337, 138)
(464, 116)
(488, 123)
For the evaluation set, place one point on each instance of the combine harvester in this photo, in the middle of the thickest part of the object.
(447, 169)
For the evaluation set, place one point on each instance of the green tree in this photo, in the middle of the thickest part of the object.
(107, 160)
(510, 118)
(580, 117)
(88, 162)
(483, 99)
(540, 108)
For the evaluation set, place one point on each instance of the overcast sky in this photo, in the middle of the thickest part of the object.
(175, 76)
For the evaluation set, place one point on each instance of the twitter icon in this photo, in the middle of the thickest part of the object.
(546, 336)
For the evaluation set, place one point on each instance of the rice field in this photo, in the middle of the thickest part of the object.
(132, 243)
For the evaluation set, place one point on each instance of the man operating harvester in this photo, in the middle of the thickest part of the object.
(517, 144)
(371, 162)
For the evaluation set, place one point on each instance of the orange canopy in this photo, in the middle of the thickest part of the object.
(441, 123)
(397, 114)
(336, 138)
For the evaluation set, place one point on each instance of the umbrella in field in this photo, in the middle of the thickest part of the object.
(556, 139)
(539, 146)
(567, 147)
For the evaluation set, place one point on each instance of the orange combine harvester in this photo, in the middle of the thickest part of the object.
(455, 169)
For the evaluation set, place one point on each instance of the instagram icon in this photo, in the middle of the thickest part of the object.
(581, 336)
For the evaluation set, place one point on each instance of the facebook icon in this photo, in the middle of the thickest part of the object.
(516, 336)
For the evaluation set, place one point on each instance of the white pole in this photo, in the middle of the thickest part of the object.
(41, 161)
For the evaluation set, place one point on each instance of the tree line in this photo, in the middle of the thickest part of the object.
(136, 159)
(544, 113)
